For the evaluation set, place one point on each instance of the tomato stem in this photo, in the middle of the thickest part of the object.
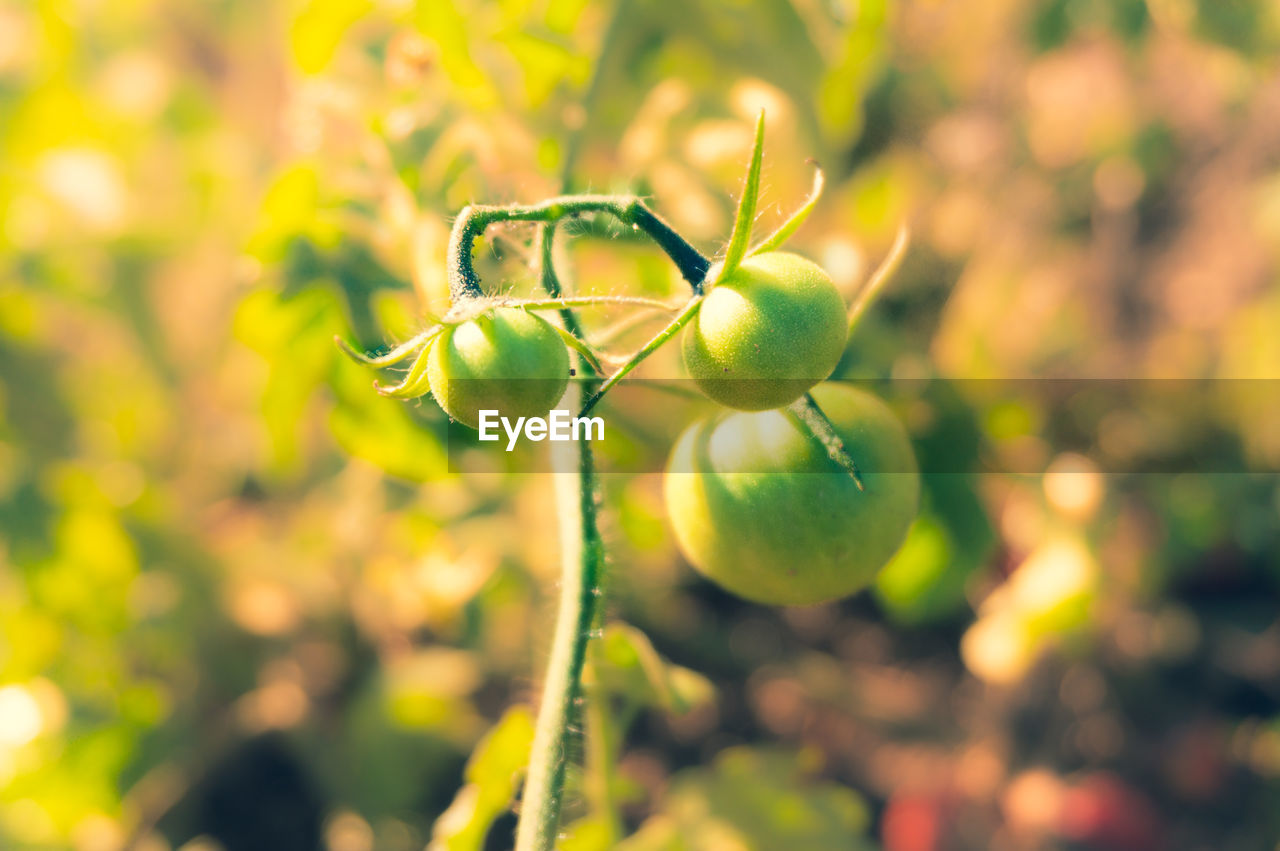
(819, 427)
(582, 553)
(582, 567)
(585, 301)
(681, 319)
(628, 209)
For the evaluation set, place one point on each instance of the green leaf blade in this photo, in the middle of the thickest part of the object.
(414, 384)
(775, 240)
(493, 776)
(741, 237)
(396, 355)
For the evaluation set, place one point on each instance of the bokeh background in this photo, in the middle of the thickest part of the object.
(245, 605)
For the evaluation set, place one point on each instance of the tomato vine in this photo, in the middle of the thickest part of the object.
(482, 339)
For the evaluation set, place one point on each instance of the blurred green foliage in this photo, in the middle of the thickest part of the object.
(243, 601)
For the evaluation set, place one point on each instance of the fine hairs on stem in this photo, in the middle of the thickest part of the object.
(582, 564)
(628, 209)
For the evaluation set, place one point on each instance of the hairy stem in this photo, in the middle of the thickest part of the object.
(586, 301)
(630, 210)
(681, 319)
(814, 420)
(582, 566)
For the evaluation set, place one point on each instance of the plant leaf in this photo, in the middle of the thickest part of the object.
(625, 662)
(414, 384)
(791, 225)
(755, 799)
(492, 774)
(881, 276)
(746, 207)
(394, 356)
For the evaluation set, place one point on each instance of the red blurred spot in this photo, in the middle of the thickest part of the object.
(1105, 812)
(914, 823)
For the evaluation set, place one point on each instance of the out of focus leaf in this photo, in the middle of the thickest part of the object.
(949, 542)
(447, 26)
(625, 662)
(318, 30)
(492, 776)
(288, 210)
(588, 834)
(295, 336)
(545, 64)
(754, 800)
(842, 91)
(918, 566)
(382, 431)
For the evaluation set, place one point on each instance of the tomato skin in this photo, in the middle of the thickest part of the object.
(768, 332)
(759, 508)
(506, 359)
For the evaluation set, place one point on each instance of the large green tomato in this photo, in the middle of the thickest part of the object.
(769, 331)
(758, 506)
(505, 359)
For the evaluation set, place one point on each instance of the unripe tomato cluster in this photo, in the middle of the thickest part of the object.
(756, 503)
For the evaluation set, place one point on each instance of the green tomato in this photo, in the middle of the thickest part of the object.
(769, 331)
(759, 508)
(505, 359)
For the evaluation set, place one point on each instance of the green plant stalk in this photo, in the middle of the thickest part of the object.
(582, 567)
(814, 421)
(681, 319)
(586, 301)
(582, 562)
(471, 223)
(607, 49)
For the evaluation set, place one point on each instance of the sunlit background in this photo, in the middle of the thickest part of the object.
(244, 605)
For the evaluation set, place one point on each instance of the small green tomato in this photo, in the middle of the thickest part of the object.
(505, 359)
(772, 329)
(759, 508)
